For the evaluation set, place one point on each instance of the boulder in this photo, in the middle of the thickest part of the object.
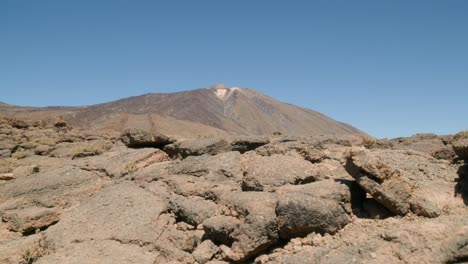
(205, 252)
(252, 229)
(431, 144)
(405, 181)
(42, 150)
(218, 168)
(138, 138)
(268, 172)
(315, 207)
(193, 210)
(121, 161)
(460, 146)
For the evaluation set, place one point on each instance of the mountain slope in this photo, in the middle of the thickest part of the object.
(203, 112)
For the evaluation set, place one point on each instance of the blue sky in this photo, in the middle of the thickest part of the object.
(390, 68)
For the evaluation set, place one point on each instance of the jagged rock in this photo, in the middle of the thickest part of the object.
(264, 173)
(439, 240)
(193, 210)
(213, 146)
(220, 167)
(138, 138)
(121, 161)
(252, 233)
(446, 153)
(431, 144)
(42, 150)
(136, 205)
(173, 245)
(403, 181)
(27, 220)
(460, 146)
(205, 252)
(219, 228)
(245, 144)
(314, 207)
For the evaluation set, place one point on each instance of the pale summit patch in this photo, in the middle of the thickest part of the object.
(221, 92)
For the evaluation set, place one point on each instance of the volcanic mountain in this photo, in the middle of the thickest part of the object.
(216, 111)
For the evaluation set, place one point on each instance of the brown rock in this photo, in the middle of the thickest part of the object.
(403, 181)
(460, 146)
(439, 240)
(314, 207)
(6, 176)
(42, 150)
(122, 212)
(29, 219)
(138, 138)
(266, 173)
(253, 232)
(213, 146)
(205, 252)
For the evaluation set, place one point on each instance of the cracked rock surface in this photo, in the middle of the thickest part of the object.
(70, 197)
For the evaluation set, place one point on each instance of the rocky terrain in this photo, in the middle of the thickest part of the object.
(71, 196)
(218, 111)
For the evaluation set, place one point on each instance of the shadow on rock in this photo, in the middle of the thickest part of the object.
(461, 188)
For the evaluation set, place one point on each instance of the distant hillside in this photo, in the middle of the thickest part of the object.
(215, 111)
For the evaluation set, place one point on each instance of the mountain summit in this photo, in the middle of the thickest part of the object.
(214, 111)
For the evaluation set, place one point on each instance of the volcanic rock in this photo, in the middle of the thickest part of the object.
(460, 146)
(404, 181)
(138, 138)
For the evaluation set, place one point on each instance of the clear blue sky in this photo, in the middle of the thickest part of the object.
(390, 68)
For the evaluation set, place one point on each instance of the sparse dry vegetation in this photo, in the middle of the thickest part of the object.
(7, 165)
(19, 154)
(44, 141)
(96, 148)
(17, 223)
(407, 142)
(368, 141)
(460, 135)
(37, 250)
(131, 167)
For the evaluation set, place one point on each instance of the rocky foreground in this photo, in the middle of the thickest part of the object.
(70, 197)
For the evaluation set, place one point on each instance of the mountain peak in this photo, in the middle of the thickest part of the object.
(223, 91)
(217, 110)
(218, 86)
